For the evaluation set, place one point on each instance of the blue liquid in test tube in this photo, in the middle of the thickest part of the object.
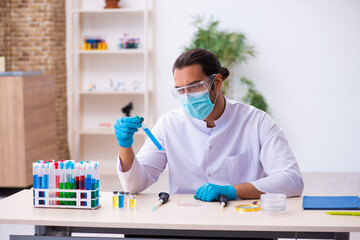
(46, 176)
(150, 135)
(35, 175)
(153, 139)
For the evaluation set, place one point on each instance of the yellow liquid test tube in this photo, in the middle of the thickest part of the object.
(115, 199)
(132, 200)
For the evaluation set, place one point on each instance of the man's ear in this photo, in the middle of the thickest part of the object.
(218, 81)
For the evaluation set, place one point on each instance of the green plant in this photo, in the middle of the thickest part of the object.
(253, 97)
(231, 50)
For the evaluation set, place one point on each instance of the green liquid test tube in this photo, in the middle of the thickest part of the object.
(61, 194)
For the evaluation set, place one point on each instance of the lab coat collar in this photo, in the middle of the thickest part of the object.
(199, 124)
(225, 116)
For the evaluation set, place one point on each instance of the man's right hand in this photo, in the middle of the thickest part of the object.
(125, 128)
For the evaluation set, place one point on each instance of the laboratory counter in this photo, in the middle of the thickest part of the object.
(182, 215)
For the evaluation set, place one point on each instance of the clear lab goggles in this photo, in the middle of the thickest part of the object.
(193, 89)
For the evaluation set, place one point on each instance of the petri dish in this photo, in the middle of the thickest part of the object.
(273, 203)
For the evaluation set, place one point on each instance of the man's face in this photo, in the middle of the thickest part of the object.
(191, 75)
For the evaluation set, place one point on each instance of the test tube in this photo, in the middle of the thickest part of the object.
(35, 179)
(82, 181)
(72, 182)
(93, 185)
(67, 181)
(76, 174)
(57, 180)
(97, 177)
(46, 175)
(87, 181)
(41, 182)
(35, 175)
(88, 177)
(51, 182)
(151, 136)
(62, 182)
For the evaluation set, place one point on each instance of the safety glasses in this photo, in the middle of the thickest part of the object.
(193, 89)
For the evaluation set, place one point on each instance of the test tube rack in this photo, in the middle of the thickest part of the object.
(83, 199)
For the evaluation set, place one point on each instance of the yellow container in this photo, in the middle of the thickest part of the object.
(115, 199)
(132, 200)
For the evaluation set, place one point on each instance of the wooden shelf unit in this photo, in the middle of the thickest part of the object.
(28, 126)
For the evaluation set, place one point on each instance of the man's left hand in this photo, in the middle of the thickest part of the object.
(210, 192)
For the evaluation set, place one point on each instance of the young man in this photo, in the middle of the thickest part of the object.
(212, 145)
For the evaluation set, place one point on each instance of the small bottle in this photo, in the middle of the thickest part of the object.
(115, 199)
(122, 43)
(126, 200)
(121, 199)
(137, 43)
(125, 40)
(132, 200)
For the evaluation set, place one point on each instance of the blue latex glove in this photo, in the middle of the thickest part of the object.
(125, 128)
(210, 192)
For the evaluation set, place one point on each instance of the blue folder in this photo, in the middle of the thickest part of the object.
(331, 203)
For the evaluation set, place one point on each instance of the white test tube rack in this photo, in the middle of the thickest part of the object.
(50, 202)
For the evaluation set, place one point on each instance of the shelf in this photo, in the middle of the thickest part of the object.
(96, 92)
(124, 51)
(109, 131)
(90, 72)
(118, 10)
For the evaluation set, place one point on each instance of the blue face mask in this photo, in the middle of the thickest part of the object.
(197, 105)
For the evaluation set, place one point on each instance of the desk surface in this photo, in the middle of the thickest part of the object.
(18, 209)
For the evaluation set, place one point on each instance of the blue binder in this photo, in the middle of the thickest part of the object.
(331, 203)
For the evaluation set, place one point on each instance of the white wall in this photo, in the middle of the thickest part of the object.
(307, 67)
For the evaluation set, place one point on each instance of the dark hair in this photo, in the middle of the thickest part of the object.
(206, 59)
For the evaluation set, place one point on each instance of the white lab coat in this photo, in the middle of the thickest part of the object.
(245, 146)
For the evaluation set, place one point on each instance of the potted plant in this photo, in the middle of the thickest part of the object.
(231, 50)
(112, 4)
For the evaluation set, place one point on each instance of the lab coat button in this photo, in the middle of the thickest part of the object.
(210, 147)
(209, 174)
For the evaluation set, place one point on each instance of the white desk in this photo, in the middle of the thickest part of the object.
(207, 220)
